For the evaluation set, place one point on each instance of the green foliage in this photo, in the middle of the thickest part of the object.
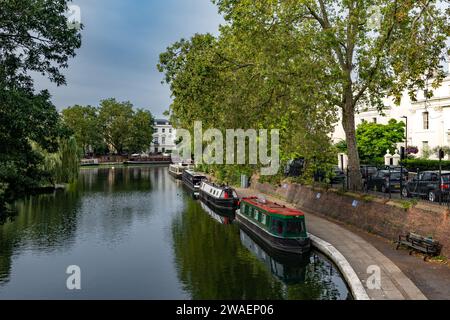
(425, 165)
(34, 37)
(114, 124)
(375, 139)
(84, 123)
(62, 166)
(290, 64)
(123, 128)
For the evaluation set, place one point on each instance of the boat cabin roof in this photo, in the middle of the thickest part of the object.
(195, 174)
(273, 207)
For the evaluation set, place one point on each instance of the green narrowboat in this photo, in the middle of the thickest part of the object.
(281, 228)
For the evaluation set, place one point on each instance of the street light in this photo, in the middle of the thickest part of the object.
(406, 141)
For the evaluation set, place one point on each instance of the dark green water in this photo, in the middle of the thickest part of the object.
(137, 234)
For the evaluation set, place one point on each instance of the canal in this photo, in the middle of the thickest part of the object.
(136, 233)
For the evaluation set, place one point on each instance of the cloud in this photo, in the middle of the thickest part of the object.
(122, 41)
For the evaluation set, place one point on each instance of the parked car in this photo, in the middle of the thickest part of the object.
(426, 184)
(295, 167)
(368, 171)
(398, 168)
(385, 181)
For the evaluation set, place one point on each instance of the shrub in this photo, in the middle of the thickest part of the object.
(425, 165)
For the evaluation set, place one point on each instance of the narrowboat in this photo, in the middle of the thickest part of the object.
(219, 197)
(279, 227)
(90, 163)
(192, 181)
(176, 170)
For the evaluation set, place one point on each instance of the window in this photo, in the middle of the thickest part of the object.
(294, 228)
(427, 176)
(264, 219)
(163, 130)
(170, 130)
(277, 227)
(163, 140)
(256, 215)
(374, 120)
(426, 120)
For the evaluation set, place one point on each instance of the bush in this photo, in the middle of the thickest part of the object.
(425, 165)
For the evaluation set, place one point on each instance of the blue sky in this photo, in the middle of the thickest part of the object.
(122, 40)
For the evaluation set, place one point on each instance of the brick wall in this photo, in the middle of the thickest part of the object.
(378, 217)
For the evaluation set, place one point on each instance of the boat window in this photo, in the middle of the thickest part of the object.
(256, 214)
(294, 228)
(277, 227)
(264, 219)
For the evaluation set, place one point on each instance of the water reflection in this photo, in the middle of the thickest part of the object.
(216, 260)
(137, 234)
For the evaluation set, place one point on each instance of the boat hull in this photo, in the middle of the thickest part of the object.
(281, 245)
(178, 176)
(224, 205)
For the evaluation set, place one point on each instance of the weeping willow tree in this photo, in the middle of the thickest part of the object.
(62, 166)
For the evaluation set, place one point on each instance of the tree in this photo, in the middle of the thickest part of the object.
(374, 139)
(227, 84)
(124, 129)
(141, 132)
(115, 119)
(84, 123)
(34, 36)
(361, 62)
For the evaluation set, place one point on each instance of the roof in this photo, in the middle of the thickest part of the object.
(162, 122)
(274, 208)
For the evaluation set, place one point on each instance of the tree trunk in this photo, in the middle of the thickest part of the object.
(354, 171)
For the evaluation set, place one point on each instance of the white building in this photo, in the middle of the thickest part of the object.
(428, 120)
(163, 138)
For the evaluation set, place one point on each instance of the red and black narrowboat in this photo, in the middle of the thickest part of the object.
(221, 198)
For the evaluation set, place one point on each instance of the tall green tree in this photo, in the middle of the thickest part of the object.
(123, 128)
(141, 132)
(85, 125)
(34, 37)
(115, 119)
(353, 52)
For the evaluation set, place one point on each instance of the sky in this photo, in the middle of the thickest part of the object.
(121, 43)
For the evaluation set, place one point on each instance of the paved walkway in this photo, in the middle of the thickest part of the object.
(361, 255)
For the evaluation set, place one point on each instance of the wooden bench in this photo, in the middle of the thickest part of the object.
(415, 242)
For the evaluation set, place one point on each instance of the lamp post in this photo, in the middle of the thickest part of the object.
(406, 141)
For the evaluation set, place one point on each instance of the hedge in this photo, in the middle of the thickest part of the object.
(425, 165)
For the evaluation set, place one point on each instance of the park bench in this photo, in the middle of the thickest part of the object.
(415, 242)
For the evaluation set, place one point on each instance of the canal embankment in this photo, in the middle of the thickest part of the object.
(363, 258)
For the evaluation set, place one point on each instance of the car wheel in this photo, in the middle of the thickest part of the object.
(432, 196)
(405, 193)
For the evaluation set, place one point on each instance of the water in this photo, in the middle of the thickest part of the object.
(136, 233)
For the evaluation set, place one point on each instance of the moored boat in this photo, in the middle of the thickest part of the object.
(192, 181)
(176, 170)
(281, 228)
(89, 162)
(219, 197)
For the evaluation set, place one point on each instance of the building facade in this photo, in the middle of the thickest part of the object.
(428, 120)
(164, 137)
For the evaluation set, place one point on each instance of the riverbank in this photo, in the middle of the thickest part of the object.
(360, 254)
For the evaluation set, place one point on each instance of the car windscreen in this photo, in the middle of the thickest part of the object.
(395, 175)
